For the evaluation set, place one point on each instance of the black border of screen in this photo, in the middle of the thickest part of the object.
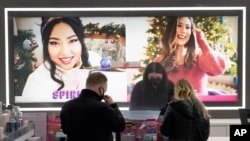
(125, 13)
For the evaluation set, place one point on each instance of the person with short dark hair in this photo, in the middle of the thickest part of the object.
(86, 118)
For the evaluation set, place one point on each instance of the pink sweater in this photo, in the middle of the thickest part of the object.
(209, 63)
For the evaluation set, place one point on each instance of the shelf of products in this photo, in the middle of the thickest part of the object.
(21, 134)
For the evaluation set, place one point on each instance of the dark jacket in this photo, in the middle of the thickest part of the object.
(180, 124)
(86, 118)
(145, 97)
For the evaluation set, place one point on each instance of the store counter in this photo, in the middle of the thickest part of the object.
(21, 134)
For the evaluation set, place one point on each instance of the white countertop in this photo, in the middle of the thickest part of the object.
(224, 121)
(218, 139)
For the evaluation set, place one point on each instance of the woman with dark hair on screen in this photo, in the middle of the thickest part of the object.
(61, 76)
(152, 92)
(186, 117)
(187, 54)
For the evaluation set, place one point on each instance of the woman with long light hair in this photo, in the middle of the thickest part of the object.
(186, 117)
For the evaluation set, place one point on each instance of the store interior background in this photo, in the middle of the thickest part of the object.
(112, 3)
(216, 114)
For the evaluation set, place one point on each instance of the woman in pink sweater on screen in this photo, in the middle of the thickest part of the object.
(187, 55)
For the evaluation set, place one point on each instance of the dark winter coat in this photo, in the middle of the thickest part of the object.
(180, 124)
(86, 118)
(145, 97)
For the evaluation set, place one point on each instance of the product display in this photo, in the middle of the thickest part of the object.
(15, 121)
(141, 131)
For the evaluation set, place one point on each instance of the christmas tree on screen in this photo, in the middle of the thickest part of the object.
(24, 58)
(24, 46)
(217, 32)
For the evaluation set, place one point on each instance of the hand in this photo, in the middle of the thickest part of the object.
(196, 29)
(108, 99)
(198, 33)
(199, 36)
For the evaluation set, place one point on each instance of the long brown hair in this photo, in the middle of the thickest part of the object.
(169, 45)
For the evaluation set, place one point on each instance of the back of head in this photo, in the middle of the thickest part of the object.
(183, 90)
(96, 79)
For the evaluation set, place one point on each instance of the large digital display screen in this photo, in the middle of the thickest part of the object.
(120, 43)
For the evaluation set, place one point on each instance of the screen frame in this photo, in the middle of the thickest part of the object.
(131, 11)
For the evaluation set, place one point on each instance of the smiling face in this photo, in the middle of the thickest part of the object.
(183, 31)
(64, 46)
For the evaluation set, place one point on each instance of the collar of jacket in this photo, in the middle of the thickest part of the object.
(89, 93)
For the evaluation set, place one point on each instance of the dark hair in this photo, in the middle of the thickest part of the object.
(154, 67)
(166, 86)
(168, 49)
(47, 25)
(158, 68)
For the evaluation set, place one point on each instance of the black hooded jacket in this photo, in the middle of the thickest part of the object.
(181, 120)
(145, 97)
(86, 118)
(150, 96)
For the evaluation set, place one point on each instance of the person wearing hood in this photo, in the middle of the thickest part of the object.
(87, 117)
(152, 92)
(186, 118)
